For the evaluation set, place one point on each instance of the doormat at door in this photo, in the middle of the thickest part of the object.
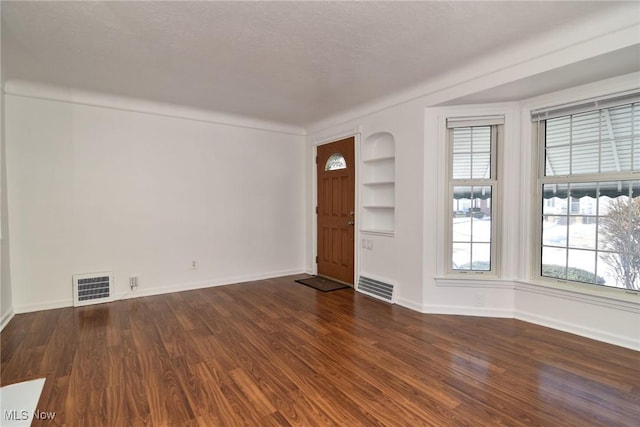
(322, 284)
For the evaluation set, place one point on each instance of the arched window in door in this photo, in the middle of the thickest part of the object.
(334, 162)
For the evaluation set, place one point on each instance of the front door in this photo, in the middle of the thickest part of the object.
(336, 210)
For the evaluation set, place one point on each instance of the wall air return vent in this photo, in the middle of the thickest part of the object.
(376, 289)
(92, 288)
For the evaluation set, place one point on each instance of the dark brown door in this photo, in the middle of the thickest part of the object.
(336, 210)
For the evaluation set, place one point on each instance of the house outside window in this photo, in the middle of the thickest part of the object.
(473, 191)
(589, 193)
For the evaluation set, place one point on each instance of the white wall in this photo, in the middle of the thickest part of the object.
(415, 260)
(94, 188)
(405, 124)
(417, 250)
(6, 306)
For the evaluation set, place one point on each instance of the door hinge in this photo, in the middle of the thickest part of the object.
(316, 259)
(316, 160)
(316, 210)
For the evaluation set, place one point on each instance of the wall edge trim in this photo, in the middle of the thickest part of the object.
(6, 318)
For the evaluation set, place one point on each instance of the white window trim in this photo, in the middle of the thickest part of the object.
(530, 206)
(508, 253)
(497, 137)
(538, 180)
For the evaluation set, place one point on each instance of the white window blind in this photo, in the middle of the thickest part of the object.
(459, 122)
(586, 105)
(603, 141)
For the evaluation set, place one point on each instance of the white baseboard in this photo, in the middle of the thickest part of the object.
(411, 305)
(205, 284)
(633, 344)
(6, 318)
(51, 305)
(467, 311)
(163, 290)
(456, 310)
(598, 335)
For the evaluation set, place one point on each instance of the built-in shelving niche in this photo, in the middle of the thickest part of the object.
(378, 184)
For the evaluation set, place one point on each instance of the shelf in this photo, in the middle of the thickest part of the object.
(389, 233)
(378, 184)
(379, 159)
(375, 183)
(378, 207)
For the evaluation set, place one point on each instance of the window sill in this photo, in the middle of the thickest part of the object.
(475, 280)
(611, 298)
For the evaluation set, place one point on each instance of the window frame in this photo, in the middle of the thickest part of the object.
(540, 179)
(496, 123)
(328, 166)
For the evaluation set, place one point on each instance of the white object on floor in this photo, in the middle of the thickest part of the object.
(18, 403)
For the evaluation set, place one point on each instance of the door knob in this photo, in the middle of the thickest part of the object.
(351, 222)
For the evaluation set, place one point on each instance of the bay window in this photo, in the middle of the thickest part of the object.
(589, 192)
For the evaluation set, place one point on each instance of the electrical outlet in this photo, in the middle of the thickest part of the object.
(194, 265)
(133, 282)
(369, 244)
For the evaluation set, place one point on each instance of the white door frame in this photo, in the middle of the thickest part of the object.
(355, 133)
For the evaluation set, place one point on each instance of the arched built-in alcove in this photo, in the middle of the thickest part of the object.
(378, 184)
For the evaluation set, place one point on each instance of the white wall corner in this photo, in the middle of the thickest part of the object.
(49, 305)
(411, 305)
(6, 318)
(6, 297)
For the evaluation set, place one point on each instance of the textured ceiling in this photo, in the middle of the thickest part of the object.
(290, 62)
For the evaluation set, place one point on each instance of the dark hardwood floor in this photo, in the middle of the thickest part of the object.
(278, 353)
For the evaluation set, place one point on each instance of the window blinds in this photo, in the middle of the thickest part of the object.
(459, 122)
(586, 105)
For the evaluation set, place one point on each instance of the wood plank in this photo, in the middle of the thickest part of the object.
(277, 353)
